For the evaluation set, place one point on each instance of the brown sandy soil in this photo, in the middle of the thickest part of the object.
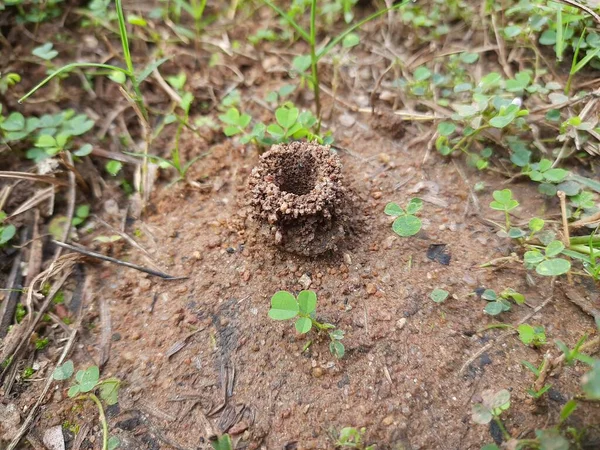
(401, 376)
(199, 355)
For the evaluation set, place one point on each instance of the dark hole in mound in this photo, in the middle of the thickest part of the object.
(296, 173)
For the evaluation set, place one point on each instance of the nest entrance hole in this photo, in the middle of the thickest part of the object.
(296, 173)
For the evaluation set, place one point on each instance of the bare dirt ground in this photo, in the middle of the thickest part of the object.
(200, 355)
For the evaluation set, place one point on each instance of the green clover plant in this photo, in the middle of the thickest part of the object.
(406, 223)
(86, 383)
(492, 406)
(499, 303)
(284, 306)
(7, 232)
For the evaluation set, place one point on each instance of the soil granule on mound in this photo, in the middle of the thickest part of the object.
(298, 197)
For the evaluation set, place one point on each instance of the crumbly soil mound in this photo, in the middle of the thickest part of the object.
(298, 197)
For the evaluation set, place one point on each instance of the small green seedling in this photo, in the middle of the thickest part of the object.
(503, 201)
(45, 51)
(86, 383)
(81, 214)
(222, 442)
(492, 406)
(351, 437)
(535, 370)
(538, 394)
(281, 94)
(548, 264)
(499, 303)
(575, 355)
(284, 306)
(406, 223)
(439, 295)
(7, 232)
(7, 81)
(535, 225)
(235, 122)
(113, 167)
(529, 335)
(291, 124)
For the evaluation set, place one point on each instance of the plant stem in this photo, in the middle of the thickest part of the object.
(127, 56)
(321, 326)
(465, 138)
(96, 400)
(67, 68)
(313, 62)
(502, 428)
(585, 239)
(581, 249)
(573, 65)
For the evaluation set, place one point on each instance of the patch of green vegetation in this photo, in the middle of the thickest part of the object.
(543, 252)
(222, 442)
(86, 383)
(284, 306)
(59, 298)
(27, 373)
(50, 133)
(534, 336)
(557, 437)
(20, 312)
(34, 11)
(41, 343)
(439, 295)
(7, 232)
(291, 124)
(304, 62)
(351, 437)
(72, 427)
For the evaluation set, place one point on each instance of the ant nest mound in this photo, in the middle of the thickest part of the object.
(298, 197)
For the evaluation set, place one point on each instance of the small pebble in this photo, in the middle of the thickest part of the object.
(317, 372)
(371, 288)
(347, 120)
(401, 323)
(347, 258)
(305, 281)
(387, 421)
(384, 158)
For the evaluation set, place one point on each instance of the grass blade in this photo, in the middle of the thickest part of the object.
(289, 20)
(560, 40)
(150, 68)
(68, 68)
(124, 37)
(581, 64)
